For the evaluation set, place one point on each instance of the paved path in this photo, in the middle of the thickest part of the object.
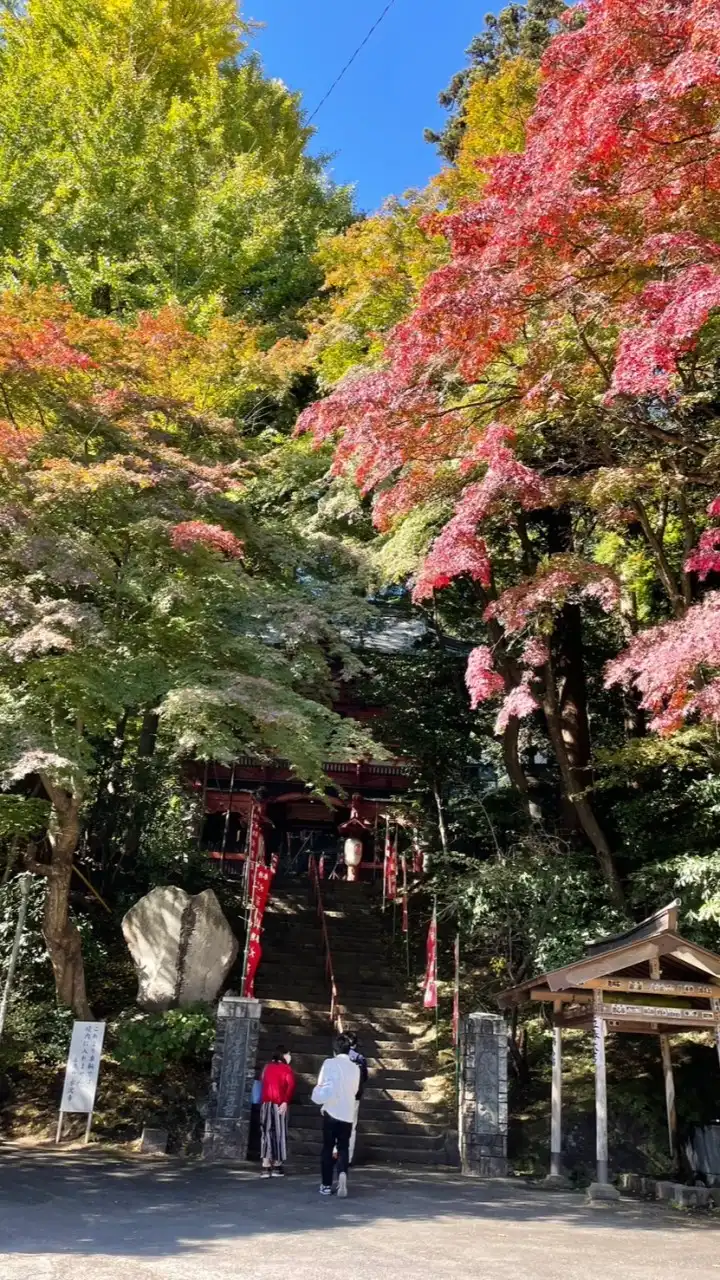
(87, 1217)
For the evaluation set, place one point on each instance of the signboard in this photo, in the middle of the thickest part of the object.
(81, 1073)
(657, 1013)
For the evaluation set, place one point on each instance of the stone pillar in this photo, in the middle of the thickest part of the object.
(227, 1127)
(483, 1110)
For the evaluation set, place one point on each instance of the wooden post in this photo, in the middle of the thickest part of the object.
(668, 1077)
(669, 1097)
(556, 1099)
(58, 1133)
(716, 1010)
(601, 1136)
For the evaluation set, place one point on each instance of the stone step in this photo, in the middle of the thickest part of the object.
(304, 1062)
(387, 1082)
(362, 983)
(385, 1118)
(379, 1030)
(378, 1140)
(298, 1041)
(292, 1016)
(397, 1157)
(317, 1024)
(396, 1104)
(363, 980)
(377, 1128)
(359, 1009)
(399, 1101)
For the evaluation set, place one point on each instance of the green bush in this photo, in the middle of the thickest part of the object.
(146, 1044)
(33, 976)
(35, 1032)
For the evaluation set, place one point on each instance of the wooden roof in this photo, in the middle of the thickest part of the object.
(624, 968)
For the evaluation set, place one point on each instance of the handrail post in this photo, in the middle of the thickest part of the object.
(335, 1017)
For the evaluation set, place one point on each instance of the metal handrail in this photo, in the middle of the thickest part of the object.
(335, 1010)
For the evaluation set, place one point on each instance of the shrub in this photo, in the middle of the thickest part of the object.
(146, 1044)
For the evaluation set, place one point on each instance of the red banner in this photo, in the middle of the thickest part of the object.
(405, 913)
(254, 956)
(430, 997)
(391, 869)
(456, 993)
(259, 894)
(256, 843)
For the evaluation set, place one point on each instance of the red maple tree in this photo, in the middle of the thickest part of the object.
(565, 323)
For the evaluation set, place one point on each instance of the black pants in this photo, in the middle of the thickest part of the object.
(335, 1133)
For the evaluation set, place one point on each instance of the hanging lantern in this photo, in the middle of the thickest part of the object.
(353, 830)
(353, 856)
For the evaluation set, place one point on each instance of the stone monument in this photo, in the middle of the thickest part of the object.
(483, 1107)
(183, 947)
(227, 1127)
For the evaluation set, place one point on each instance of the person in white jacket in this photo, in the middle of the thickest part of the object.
(336, 1093)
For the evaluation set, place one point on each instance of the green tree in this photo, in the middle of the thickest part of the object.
(137, 594)
(145, 158)
(518, 31)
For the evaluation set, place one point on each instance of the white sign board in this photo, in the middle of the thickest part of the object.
(83, 1065)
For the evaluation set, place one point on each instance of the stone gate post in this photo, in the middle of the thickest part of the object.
(227, 1126)
(483, 1109)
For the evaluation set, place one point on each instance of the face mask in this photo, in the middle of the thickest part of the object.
(288, 1058)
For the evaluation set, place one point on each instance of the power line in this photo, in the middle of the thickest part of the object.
(349, 63)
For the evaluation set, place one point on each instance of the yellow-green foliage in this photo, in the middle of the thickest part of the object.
(145, 158)
(496, 115)
(373, 274)
(398, 556)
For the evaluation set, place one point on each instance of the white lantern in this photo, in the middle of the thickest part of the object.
(353, 854)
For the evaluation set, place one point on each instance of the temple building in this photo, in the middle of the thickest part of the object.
(296, 823)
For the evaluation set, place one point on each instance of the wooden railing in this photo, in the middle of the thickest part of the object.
(335, 1009)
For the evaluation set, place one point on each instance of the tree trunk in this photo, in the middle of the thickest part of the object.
(572, 692)
(515, 771)
(510, 672)
(578, 799)
(565, 707)
(141, 777)
(61, 934)
(442, 828)
(568, 663)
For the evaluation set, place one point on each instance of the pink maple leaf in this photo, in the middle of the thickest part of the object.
(192, 533)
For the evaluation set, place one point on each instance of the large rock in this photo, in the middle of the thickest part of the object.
(183, 948)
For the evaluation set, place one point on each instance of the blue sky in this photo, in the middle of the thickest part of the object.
(374, 121)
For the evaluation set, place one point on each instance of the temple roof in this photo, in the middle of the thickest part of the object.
(647, 972)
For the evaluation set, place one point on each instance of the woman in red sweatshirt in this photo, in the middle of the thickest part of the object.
(278, 1087)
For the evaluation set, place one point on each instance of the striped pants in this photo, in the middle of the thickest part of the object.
(273, 1135)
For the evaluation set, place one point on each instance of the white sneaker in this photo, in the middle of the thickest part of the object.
(342, 1186)
(325, 1191)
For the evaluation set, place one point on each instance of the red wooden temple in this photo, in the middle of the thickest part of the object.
(298, 824)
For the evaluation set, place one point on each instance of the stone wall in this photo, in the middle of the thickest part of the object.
(483, 1108)
(227, 1127)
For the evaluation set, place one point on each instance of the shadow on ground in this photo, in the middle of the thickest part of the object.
(87, 1204)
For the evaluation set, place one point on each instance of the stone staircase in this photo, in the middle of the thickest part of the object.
(400, 1121)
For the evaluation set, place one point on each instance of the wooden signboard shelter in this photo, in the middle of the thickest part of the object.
(648, 981)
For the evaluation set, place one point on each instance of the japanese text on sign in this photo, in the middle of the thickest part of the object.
(83, 1065)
